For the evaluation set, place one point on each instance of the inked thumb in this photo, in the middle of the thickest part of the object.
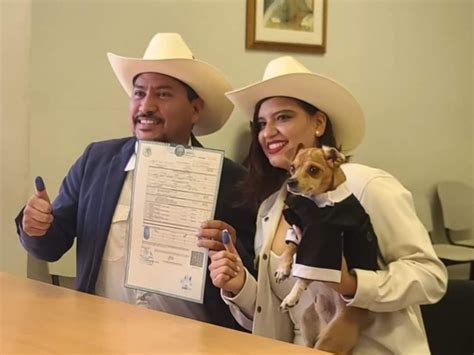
(227, 241)
(41, 189)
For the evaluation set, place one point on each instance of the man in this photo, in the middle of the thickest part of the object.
(173, 97)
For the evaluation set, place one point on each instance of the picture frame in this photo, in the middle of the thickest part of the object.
(287, 25)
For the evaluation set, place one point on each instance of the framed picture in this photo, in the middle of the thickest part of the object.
(287, 25)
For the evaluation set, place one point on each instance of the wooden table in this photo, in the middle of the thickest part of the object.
(44, 319)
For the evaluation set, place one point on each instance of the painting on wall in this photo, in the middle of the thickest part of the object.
(287, 25)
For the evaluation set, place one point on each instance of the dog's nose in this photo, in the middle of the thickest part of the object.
(292, 183)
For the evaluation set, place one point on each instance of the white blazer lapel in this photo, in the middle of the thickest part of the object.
(270, 218)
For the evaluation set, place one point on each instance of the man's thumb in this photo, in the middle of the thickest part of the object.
(227, 241)
(41, 189)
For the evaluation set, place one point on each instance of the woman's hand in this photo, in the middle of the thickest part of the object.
(209, 235)
(226, 268)
(348, 285)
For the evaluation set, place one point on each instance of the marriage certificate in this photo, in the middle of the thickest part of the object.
(175, 189)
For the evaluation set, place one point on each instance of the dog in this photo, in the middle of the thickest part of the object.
(327, 324)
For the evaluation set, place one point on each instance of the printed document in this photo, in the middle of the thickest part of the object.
(175, 189)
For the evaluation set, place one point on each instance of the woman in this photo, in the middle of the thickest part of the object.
(290, 106)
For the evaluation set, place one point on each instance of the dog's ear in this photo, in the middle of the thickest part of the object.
(334, 157)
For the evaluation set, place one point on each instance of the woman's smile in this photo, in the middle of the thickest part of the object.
(275, 146)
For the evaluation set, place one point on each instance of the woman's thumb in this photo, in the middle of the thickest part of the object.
(227, 241)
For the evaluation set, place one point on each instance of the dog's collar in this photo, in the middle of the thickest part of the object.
(331, 197)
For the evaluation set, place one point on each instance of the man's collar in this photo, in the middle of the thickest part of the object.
(133, 159)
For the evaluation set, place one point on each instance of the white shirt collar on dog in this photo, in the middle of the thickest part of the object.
(331, 197)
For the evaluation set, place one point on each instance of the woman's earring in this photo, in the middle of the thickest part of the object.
(317, 134)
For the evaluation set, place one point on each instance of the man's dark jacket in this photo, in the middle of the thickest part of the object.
(86, 203)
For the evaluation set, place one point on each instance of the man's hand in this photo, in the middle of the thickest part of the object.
(37, 217)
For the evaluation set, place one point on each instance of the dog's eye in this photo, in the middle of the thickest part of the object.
(292, 169)
(313, 170)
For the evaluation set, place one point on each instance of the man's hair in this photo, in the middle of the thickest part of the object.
(192, 95)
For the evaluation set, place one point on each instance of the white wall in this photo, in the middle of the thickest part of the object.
(15, 25)
(408, 62)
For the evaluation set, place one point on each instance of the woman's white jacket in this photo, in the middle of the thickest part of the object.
(410, 273)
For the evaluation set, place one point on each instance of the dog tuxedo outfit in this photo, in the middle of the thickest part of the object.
(329, 231)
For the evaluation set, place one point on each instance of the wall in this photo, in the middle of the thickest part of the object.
(14, 122)
(408, 62)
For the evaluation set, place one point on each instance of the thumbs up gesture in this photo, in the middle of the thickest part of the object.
(37, 216)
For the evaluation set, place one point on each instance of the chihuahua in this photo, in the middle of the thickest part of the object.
(325, 228)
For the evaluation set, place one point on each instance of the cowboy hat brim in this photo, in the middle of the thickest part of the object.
(204, 79)
(343, 110)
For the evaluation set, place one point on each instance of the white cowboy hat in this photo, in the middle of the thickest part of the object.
(285, 76)
(168, 54)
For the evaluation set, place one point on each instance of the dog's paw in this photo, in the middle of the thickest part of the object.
(287, 303)
(280, 276)
(284, 307)
(282, 273)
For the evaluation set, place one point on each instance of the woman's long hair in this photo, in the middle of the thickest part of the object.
(263, 179)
